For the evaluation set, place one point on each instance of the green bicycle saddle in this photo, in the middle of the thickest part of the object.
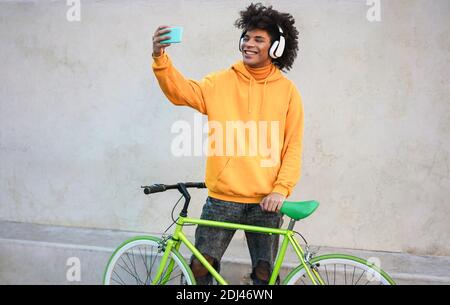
(299, 209)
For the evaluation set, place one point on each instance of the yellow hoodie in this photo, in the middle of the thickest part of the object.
(233, 97)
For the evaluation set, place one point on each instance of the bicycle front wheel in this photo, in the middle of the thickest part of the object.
(340, 269)
(137, 260)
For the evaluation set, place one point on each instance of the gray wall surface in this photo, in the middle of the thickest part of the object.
(83, 123)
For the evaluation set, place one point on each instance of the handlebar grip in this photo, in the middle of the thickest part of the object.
(155, 188)
(199, 185)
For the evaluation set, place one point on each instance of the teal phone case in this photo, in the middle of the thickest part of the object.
(176, 35)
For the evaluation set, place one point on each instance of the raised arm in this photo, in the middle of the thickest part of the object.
(179, 90)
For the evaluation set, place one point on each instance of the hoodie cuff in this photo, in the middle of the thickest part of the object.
(281, 190)
(160, 60)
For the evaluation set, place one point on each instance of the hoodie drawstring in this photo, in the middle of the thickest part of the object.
(249, 96)
(263, 96)
(249, 107)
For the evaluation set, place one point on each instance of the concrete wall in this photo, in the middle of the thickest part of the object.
(83, 122)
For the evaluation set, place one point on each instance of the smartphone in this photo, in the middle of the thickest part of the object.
(176, 35)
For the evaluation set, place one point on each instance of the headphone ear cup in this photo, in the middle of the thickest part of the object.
(241, 41)
(273, 49)
(280, 49)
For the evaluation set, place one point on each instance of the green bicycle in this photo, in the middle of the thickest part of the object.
(149, 260)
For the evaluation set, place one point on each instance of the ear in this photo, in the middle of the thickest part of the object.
(241, 40)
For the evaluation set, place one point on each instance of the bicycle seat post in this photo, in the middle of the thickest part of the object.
(291, 224)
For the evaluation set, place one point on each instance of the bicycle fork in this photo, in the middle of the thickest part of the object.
(166, 245)
(174, 242)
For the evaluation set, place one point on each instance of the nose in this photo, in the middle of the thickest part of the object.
(248, 46)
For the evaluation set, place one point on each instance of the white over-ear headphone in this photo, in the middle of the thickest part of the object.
(277, 48)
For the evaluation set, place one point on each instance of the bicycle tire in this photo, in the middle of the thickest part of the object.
(332, 268)
(143, 263)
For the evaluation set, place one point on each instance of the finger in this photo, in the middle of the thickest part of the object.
(163, 45)
(161, 27)
(279, 206)
(273, 207)
(158, 39)
(265, 204)
(261, 204)
(268, 205)
(276, 206)
(162, 32)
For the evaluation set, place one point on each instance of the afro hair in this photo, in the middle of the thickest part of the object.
(257, 16)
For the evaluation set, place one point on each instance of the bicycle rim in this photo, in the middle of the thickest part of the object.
(136, 262)
(340, 269)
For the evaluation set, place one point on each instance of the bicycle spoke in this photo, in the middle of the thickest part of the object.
(144, 261)
(174, 277)
(126, 267)
(353, 276)
(345, 274)
(128, 264)
(338, 271)
(151, 267)
(334, 280)
(135, 275)
(129, 271)
(134, 268)
(147, 268)
(360, 277)
(121, 281)
(134, 263)
(326, 272)
(144, 258)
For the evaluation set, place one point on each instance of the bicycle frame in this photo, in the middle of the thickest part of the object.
(179, 237)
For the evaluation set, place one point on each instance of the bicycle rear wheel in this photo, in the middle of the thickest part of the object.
(340, 269)
(137, 260)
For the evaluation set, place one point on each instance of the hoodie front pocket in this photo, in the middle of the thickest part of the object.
(244, 176)
(215, 167)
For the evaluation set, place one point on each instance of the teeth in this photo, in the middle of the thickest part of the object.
(250, 52)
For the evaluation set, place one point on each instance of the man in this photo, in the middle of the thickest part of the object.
(245, 188)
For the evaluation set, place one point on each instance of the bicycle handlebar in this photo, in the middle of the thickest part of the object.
(181, 187)
(157, 188)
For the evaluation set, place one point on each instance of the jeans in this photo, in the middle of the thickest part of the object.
(213, 241)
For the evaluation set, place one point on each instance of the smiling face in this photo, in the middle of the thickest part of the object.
(255, 48)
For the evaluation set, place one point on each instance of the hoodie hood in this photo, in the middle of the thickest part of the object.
(242, 73)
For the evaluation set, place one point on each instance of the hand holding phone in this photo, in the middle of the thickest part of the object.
(164, 36)
(175, 34)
